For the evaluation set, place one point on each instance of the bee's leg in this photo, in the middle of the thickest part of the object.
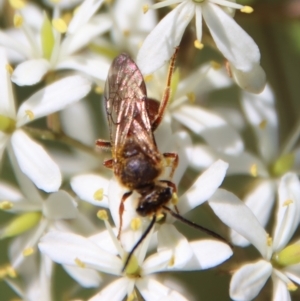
(109, 163)
(173, 157)
(103, 144)
(174, 196)
(121, 210)
(167, 93)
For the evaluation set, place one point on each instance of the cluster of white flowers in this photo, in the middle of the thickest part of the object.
(54, 60)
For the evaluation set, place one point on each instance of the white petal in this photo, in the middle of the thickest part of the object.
(207, 254)
(85, 186)
(60, 205)
(198, 17)
(97, 68)
(247, 282)
(83, 14)
(234, 43)
(288, 213)
(115, 291)
(293, 272)
(54, 97)
(213, 128)
(29, 190)
(85, 34)
(35, 162)
(261, 109)
(203, 80)
(85, 277)
(236, 215)
(105, 242)
(78, 121)
(20, 204)
(204, 187)
(170, 239)
(123, 13)
(33, 15)
(252, 81)
(260, 200)
(280, 291)
(7, 103)
(152, 290)
(160, 44)
(65, 248)
(30, 72)
(157, 262)
(12, 44)
(8, 192)
(201, 156)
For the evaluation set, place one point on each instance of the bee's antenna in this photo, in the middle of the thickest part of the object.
(196, 226)
(150, 226)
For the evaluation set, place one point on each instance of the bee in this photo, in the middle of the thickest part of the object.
(136, 160)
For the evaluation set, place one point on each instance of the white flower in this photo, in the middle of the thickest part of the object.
(46, 49)
(32, 158)
(36, 216)
(211, 126)
(37, 285)
(103, 252)
(234, 43)
(266, 169)
(280, 261)
(131, 26)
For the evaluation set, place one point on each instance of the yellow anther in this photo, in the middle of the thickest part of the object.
(55, 1)
(3, 273)
(148, 78)
(11, 272)
(126, 33)
(159, 216)
(288, 202)
(247, 9)
(67, 17)
(291, 287)
(215, 65)
(174, 198)
(262, 125)
(28, 252)
(191, 97)
(98, 195)
(135, 223)
(102, 214)
(145, 8)
(6, 205)
(172, 261)
(30, 114)
(79, 263)
(132, 297)
(254, 170)
(269, 240)
(198, 44)
(98, 90)
(9, 69)
(17, 4)
(18, 20)
(60, 25)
